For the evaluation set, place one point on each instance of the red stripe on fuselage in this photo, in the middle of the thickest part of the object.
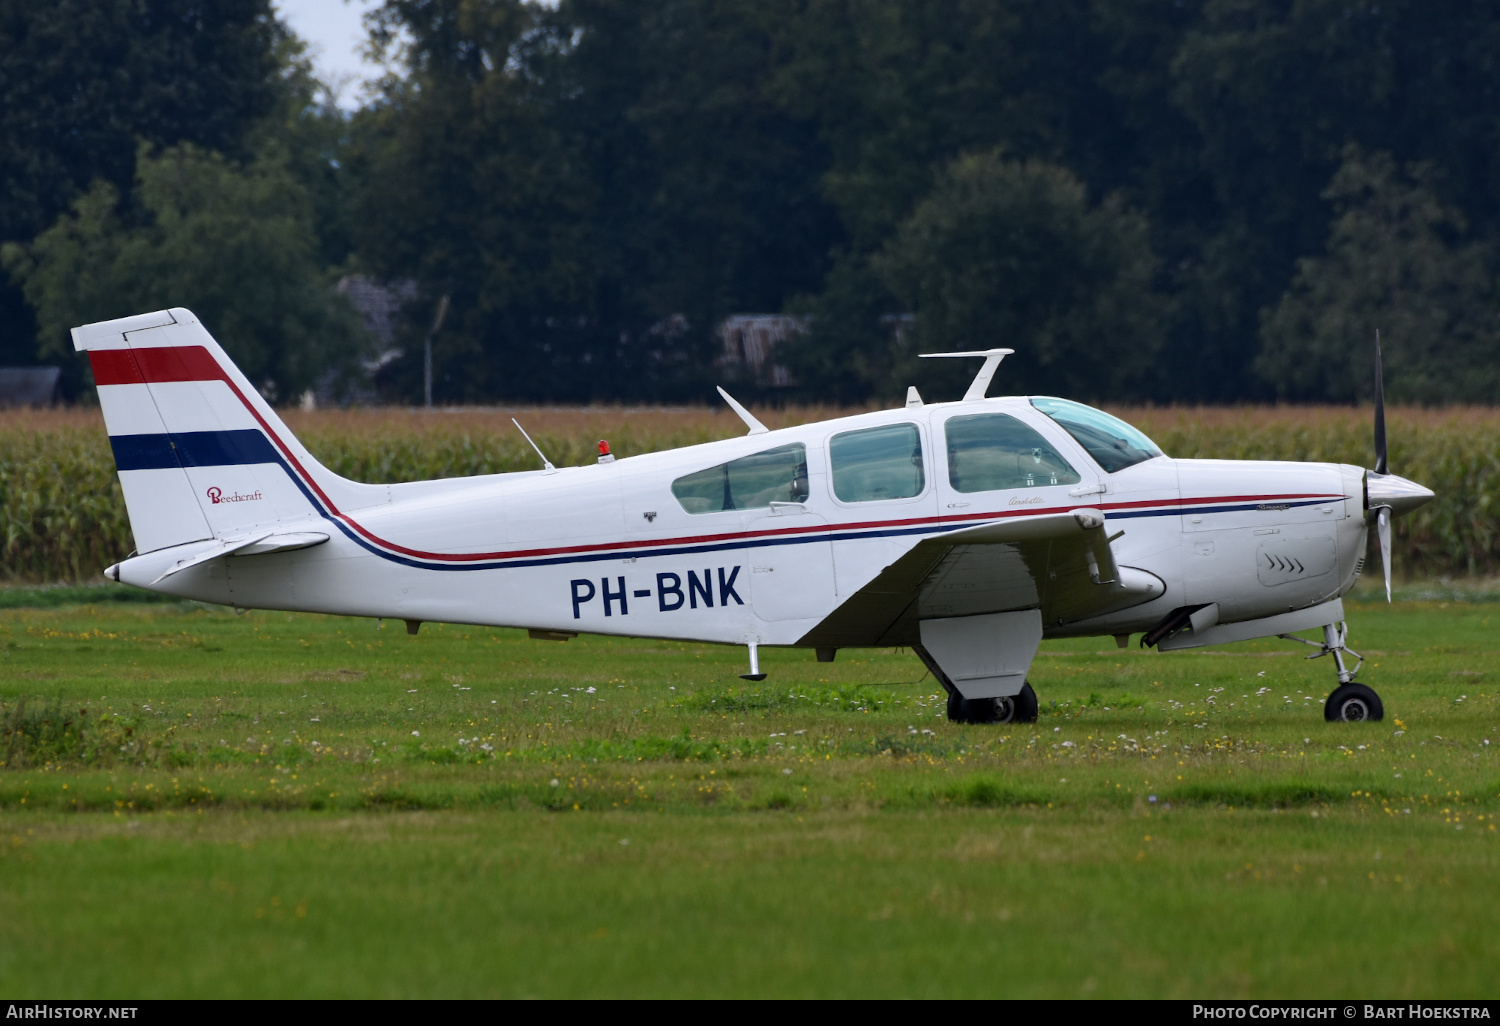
(195, 363)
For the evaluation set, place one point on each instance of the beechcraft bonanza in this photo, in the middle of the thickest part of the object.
(967, 530)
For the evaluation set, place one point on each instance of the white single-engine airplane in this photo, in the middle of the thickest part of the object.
(968, 531)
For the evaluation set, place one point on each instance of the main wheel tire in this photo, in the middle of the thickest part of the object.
(971, 710)
(1021, 708)
(1353, 703)
(1026, 705)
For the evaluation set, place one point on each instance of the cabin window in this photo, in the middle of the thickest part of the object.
(877, 463)
(992, 452)
(750, 482)
(1112, 442)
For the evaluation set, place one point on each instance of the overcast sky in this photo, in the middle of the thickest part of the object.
(334, 33)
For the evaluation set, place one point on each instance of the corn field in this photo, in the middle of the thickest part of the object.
(62, 517)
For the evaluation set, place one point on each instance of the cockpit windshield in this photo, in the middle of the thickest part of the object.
(1113, 443)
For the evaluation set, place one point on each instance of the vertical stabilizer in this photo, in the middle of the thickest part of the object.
(200, 454)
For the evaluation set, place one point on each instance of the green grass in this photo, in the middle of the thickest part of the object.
(196, 803)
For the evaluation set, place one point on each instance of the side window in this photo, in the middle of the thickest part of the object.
(996, 452)
(877, 463)
(750, 482)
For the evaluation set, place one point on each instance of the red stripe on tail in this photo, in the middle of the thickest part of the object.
(164, 363)
(115, 367)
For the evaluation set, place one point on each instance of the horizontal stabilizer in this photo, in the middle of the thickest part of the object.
(223, 548)
(283, 543)
(256, 544)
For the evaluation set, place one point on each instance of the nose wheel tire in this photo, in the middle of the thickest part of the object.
(1020, 708)
(1353, 703)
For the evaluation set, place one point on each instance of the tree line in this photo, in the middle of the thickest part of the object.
(1155, 201)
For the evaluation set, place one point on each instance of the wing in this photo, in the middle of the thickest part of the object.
(1060, 563)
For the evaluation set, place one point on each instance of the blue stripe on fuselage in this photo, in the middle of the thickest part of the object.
(1185, 509)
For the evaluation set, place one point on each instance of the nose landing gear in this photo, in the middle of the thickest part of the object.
(1349, 702)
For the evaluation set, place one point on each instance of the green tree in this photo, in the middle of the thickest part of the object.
(900, 89)
(306, 128)
(463, 184)
(1274, 91)
(1221, 121)
(577, 174)
(83, 81)
(1011, 253)
(594, 184)
(1397, 259)
(233, 244)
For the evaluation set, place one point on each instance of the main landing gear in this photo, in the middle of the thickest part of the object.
(1350, 702)
(1021, 708)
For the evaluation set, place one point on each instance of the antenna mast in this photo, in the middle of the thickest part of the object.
(981, 382)
(547, 466)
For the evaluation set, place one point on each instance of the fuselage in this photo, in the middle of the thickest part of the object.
(625, 547)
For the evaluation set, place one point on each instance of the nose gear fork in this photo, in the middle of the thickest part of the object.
(1335, 638)
(1349, 702)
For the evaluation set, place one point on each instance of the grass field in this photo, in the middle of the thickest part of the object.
(196, 803)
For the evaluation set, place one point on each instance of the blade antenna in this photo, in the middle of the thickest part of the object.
(1381, 465)
(546, 463)
(755, 426)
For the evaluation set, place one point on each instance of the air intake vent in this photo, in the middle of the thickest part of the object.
(1293, 559)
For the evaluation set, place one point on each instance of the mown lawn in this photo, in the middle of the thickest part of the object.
(202, 804)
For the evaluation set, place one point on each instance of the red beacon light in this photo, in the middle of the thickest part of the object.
(605, 456)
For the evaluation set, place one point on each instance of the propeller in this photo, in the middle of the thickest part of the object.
(1382, 466)
(1383, 529)
(1387, 495)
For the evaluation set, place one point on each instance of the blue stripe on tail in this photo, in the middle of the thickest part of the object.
(193, 449)
(144, 452)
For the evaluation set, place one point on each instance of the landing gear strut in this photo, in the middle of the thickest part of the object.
(1021, 708)
(1350, 702)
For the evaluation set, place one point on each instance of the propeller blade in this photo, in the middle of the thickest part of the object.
(1383, 527)
(1380, 456)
